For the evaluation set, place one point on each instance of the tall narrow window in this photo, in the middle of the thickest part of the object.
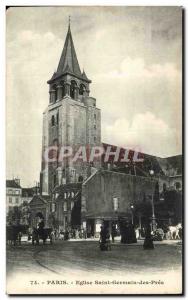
(65, 206)
(53, 120)
(73, 89)
(55, 94)
(72, 204)
(54, 88)
(82, 89)
(115, 203)
(54, 179)
(57, 117)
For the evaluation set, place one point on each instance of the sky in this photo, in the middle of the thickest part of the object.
(133, 56)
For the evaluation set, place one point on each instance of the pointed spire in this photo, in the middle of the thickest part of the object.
(69, 20)
(68, 56)
(68, 61)
(84, 76)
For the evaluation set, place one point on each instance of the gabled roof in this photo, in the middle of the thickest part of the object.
(43, 199)
(68, 56)
(12, 184)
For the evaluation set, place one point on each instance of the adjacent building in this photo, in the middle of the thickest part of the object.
(13, 194)
(27, 194)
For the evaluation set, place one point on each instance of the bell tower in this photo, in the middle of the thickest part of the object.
(71, 119)
(68, 80)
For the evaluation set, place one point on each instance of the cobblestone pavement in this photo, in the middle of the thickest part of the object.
(73, 256)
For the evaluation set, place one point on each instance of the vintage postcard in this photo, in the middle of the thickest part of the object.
(94, 150)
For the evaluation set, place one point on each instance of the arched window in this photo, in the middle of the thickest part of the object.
(177, 185)
(55, 92)
(80, 178)
(82, 89)
(63, 88)
(55, 142)
(73, 89)
(164, 187)
(53, 120)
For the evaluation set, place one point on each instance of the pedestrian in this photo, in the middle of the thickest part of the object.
(104, 240)
(113, 232)
(148, 242)
(77, 233)
(137, 233)
(61, 235)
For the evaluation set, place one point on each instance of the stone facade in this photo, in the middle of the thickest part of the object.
(71, 119)
(13, 194)
(108, 195)
(40, 205)
(66, 205)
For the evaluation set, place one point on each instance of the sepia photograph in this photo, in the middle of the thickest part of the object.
(94, 160)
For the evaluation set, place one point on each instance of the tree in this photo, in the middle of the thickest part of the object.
(14, 215)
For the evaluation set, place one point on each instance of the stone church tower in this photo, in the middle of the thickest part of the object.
(71, 119)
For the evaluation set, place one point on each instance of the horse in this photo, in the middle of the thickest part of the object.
(174, 232)
(42, 234)
(13, 235)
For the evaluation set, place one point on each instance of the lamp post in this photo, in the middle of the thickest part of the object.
(153, 219)
(132, 216)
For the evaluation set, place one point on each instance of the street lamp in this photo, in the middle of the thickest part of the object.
(132, 207)
(153, 219)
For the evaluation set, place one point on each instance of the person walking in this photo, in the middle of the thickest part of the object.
(113, 232)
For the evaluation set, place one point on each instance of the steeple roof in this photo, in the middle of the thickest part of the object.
(68, 61)
(68, 56)
(84, 76)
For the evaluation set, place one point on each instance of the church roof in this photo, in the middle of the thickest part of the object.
(68, 56)
(68, 61)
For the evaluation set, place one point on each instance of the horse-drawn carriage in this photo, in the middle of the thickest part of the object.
(15, 234)
(42, 234)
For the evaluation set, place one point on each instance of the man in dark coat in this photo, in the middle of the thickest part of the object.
(40, 227)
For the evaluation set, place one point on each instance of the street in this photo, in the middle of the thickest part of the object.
(78, 266)
(74, 256)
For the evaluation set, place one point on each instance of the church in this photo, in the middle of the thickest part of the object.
(85, 194)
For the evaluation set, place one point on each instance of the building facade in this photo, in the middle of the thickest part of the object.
(13, 194)
(28, 193)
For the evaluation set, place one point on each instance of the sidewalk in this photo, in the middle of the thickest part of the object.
(139, 242)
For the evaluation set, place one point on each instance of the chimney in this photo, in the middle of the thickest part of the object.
(17, 180)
